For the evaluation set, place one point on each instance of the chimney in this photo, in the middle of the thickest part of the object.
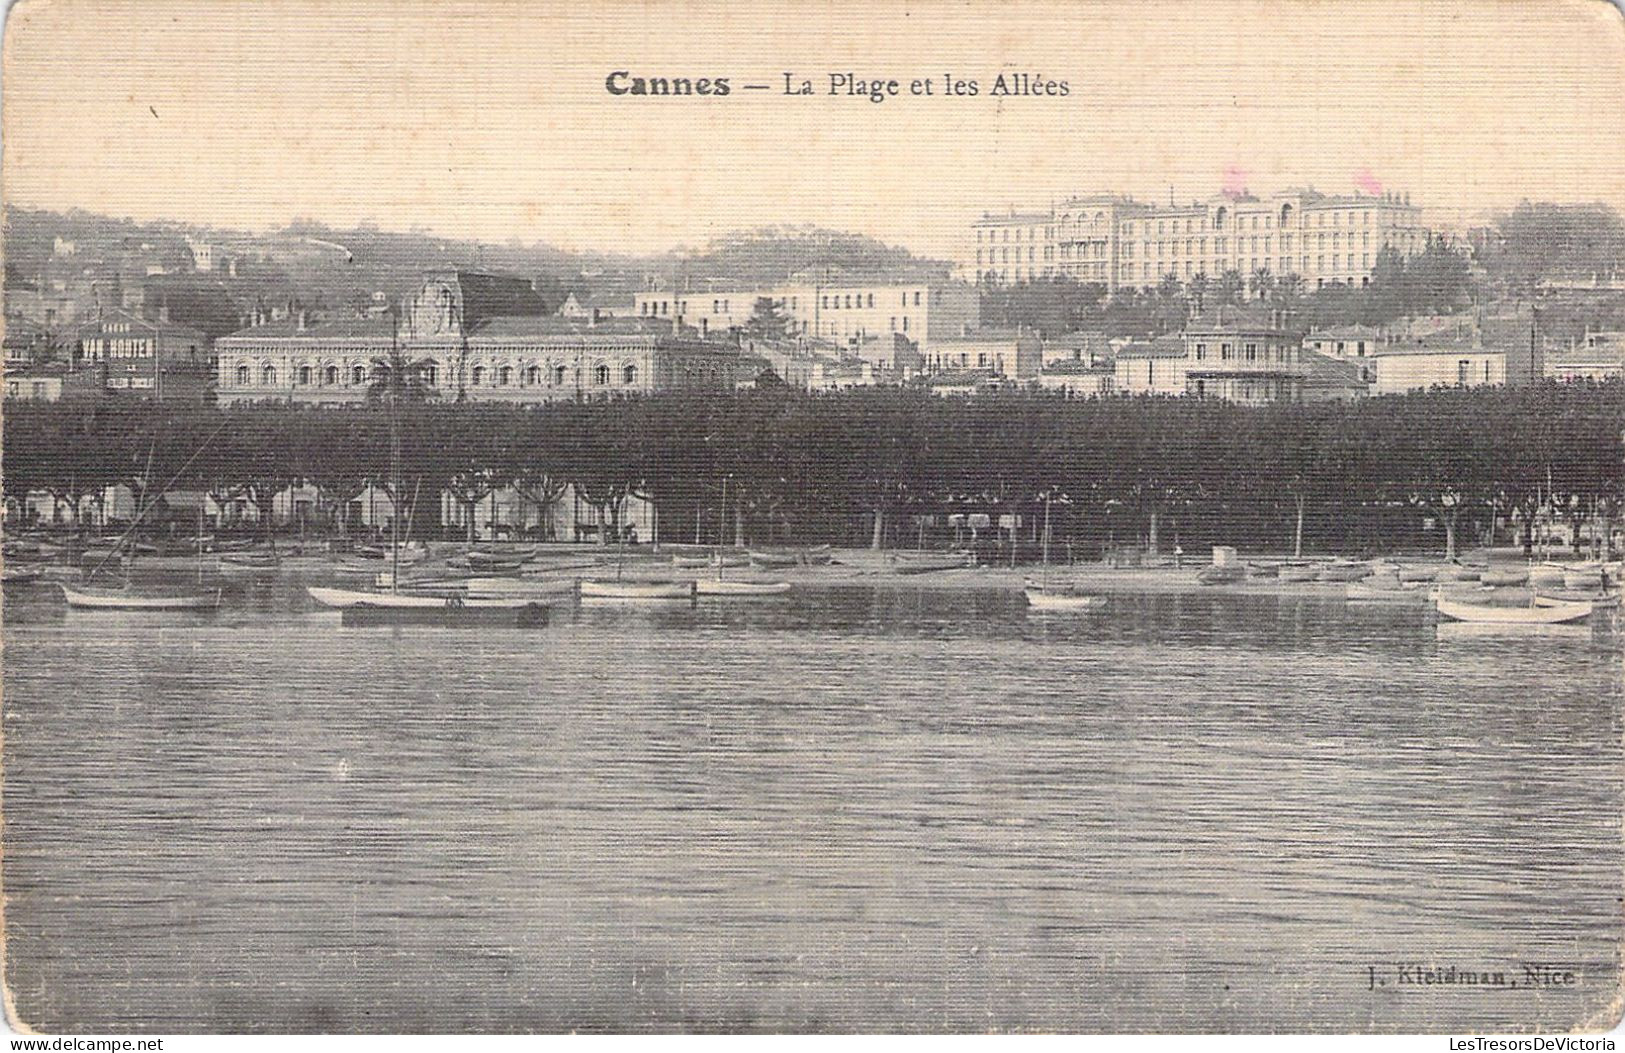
(303, 319)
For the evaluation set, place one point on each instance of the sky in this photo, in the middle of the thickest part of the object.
(491, 120)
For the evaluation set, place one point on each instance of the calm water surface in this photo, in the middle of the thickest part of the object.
(848, 809)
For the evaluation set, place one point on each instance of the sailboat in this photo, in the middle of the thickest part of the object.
(1044, 598)
(393, 607)
(122, 598)
(735, 589)
(641, 589)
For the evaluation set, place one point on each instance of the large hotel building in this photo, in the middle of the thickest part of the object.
(1121, 243)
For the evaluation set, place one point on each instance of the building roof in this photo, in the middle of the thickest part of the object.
(1326, 371)
(1229, 318)
(97, 326)
(531, 327)
(1075, 367)
(1161, 347)
(999, 334)
(1437, 347)
(962, 378)
(377, 327)
(1346, 333)
(990, 219)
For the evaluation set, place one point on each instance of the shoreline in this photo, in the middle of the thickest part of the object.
(858, 567)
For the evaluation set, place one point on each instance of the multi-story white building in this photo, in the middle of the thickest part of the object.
(842, 314)
(1121, 243)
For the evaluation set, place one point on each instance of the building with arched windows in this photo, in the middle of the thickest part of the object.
(1118, 242)
(471, 336)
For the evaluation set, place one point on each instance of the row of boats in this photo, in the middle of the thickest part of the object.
(1536, 594)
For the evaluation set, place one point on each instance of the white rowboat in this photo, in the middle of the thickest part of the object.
(1039, 600)
(637, 590)
(712, 587)
(343, 598)
(1544, 614)
(118, 600)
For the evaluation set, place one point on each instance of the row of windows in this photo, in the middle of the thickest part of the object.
(1250, 352)
(1194, 224)
(479, 376)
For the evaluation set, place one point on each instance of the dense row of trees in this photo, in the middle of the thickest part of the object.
(866, 465)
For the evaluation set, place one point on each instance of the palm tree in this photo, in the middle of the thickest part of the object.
(1263, 284)
(1231, 286)
(397, 377)
(1197, 288)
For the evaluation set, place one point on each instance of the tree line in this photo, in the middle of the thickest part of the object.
(887, 466)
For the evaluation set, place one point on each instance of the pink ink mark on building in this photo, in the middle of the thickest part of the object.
(1367, 182)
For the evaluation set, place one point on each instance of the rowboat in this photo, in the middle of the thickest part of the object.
(691, 562)
(85, 598)
(1049, 600)
(818, 555)
(1546, 576)
(1297, 572)
(1539, 614)
(774, 560)
(1264, 570)
(1221, 575)
(1413, 573)
(1344, 572)
(19, 575)
(1599, 600)
(925, 562)
(1460, 572)
(1509, 576)
(719, 587)
(249, 561)
(480, 559)
(526, 588)
(1583, 578)
(1398, 592)
(344, 598)
(637, 590)
(454, 615)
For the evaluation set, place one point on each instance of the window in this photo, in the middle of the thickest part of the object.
(242, 375)
(629, 374)
(1462, 373)
(1252, 352)
(905, 323)
(558, 376)
(476, 376)
(504, 376)
(268, 376)
(849, 301)
(916, 299)
(600, 375)
(330, 375)
(1201, 352)
(533, 374)
(1224, 352)
(872, 295)
(358, 375)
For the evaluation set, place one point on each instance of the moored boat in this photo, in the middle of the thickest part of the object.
(924, 562)
(527, 588)
(1537, 614)
(728, 587)
(690, 562)
(452, 615)
(1344, 572)
(1297, 572)
(1504, 577)
(1040, 599)
(1410, 573)
(637, 590)
(85, 597)
(1225, 574)
(773, 560)
(19, 575)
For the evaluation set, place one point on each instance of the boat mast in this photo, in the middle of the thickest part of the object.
(394, 456)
